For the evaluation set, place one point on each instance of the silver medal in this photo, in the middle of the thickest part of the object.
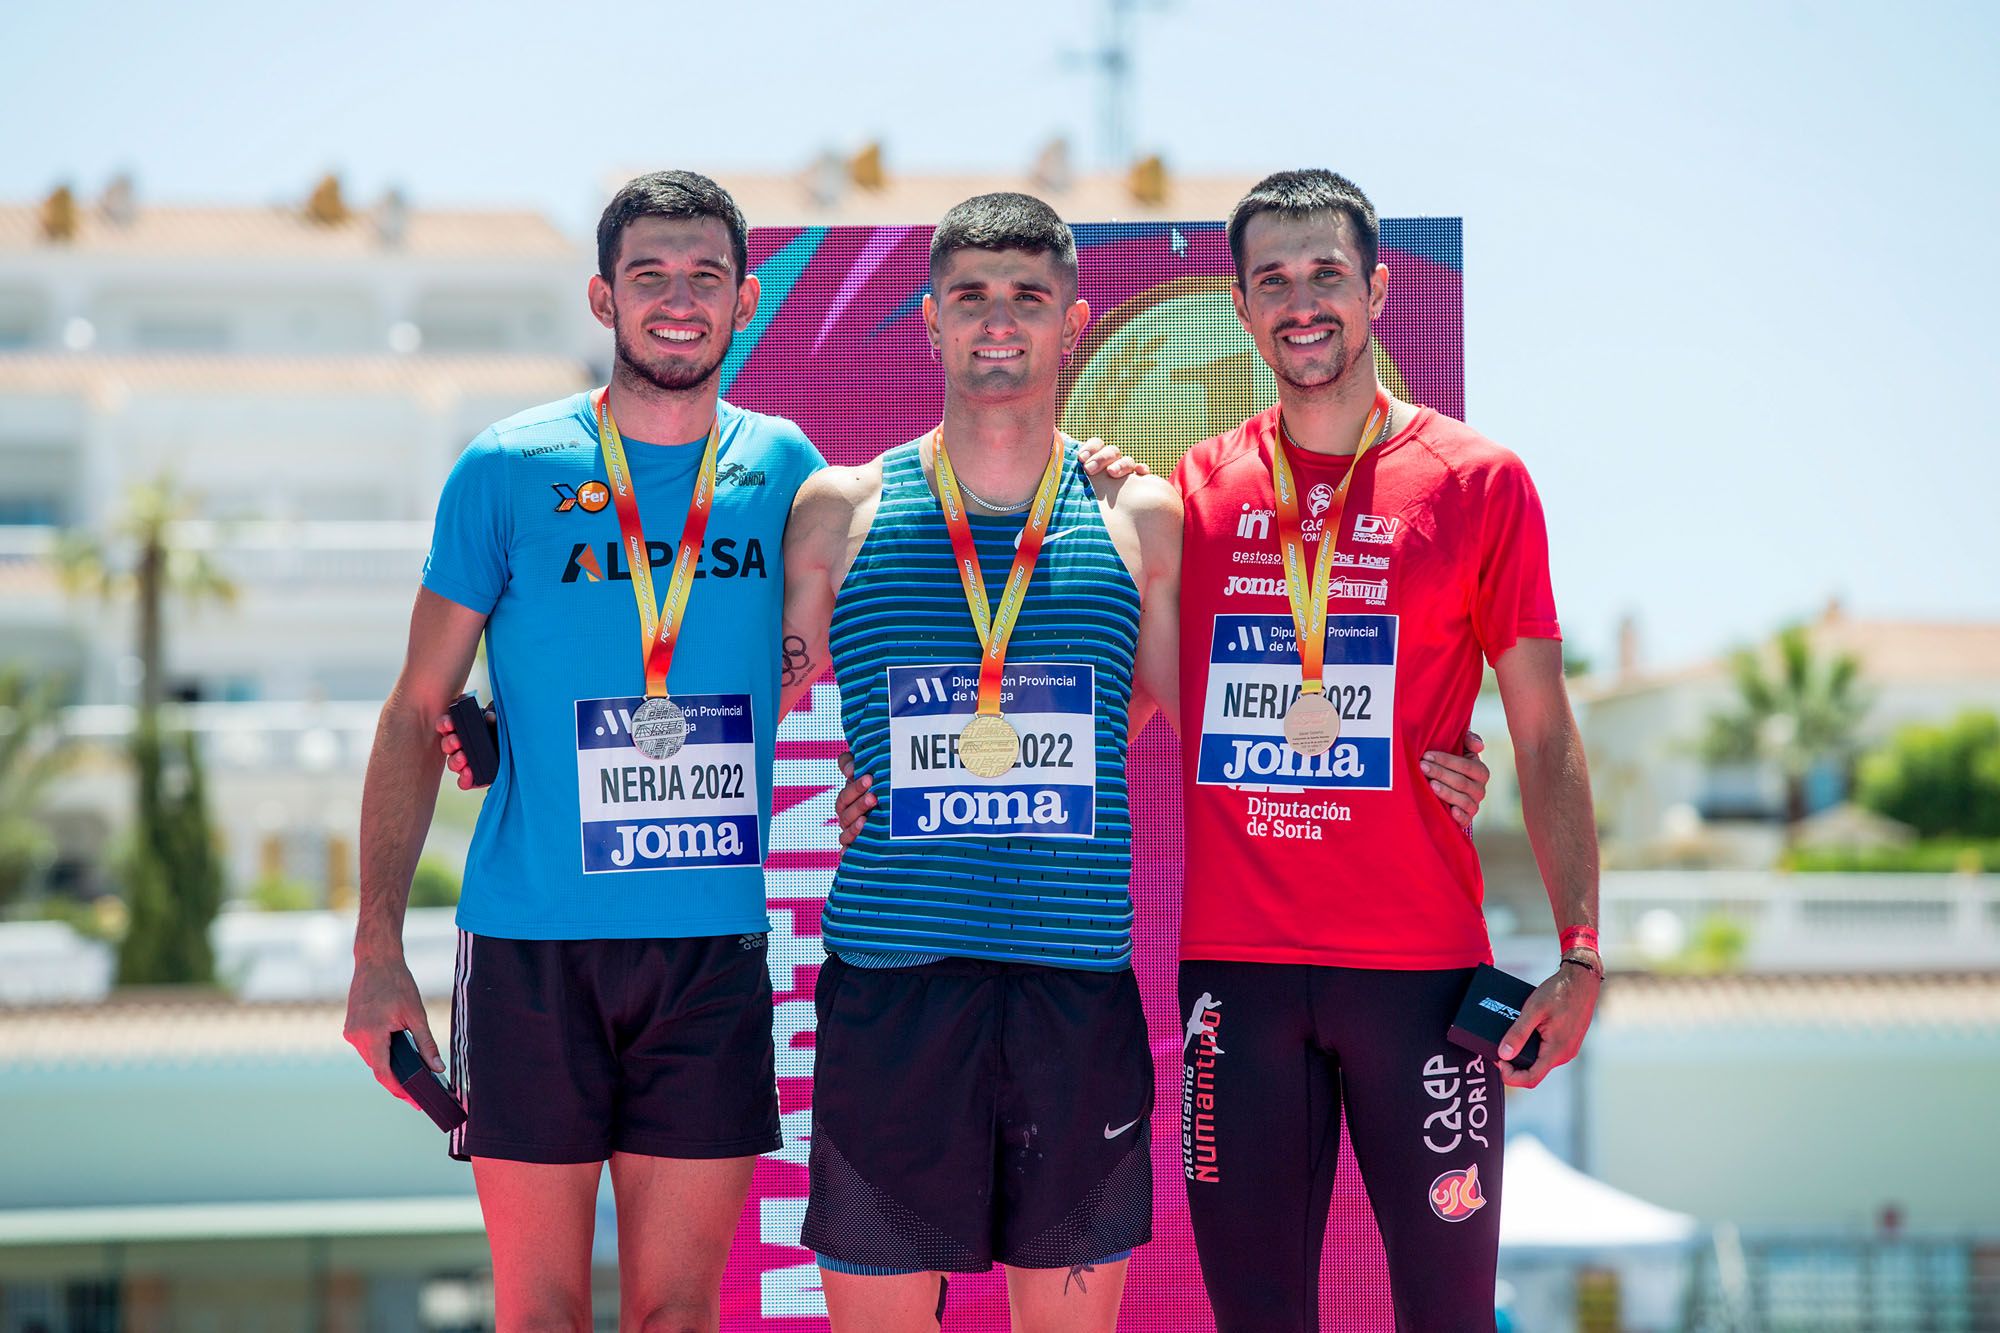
(659, 728)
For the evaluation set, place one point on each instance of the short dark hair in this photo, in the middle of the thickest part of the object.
(1299, 194)
(1004, 221)
(670, 194)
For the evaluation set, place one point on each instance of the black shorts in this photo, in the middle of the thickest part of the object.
(1271, 1055)
(571, 1050)
(968, 1111)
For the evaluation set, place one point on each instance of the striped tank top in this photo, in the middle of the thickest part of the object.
(1048, 881)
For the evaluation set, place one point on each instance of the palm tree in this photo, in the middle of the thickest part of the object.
(157, 568)
(173, 878)
(1795, 710)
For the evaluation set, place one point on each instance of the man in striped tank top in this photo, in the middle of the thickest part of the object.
(983, 1085)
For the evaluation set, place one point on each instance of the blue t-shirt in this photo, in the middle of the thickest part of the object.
(582, 836)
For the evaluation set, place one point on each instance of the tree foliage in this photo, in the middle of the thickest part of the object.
(31, 752)
(1943, 781)
(173, 875)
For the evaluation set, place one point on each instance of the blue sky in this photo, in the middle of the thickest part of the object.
(1729, 282)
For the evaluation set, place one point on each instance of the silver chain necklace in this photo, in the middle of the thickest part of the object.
(987, 504)
(1388, 419)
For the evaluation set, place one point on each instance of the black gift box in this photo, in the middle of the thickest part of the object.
(1491, 1005)
(406, 1063)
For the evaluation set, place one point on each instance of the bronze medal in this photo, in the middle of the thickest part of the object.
(1312, 724)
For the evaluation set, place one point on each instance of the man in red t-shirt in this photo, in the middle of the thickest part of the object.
(1332, 906)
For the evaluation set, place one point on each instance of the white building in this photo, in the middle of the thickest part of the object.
(1643, 729)
(306, 378)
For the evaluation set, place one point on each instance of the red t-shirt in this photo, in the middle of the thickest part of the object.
(1348, 859)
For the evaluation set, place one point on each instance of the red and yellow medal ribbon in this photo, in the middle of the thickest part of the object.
(995, 629)
(1309, 598)
(659, 629)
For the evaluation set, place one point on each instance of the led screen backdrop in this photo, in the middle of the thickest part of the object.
(838, 346)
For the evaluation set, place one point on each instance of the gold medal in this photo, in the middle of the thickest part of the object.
(989, 745)
(1312, 724)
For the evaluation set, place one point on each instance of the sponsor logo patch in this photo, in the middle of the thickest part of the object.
(1459, 1096)
(1376, 530)
(1255, 524)
(736, 474)
(591, 497)
(1201, 1160)
(1455, 1195)
(1373, 591)
(723, 558)
(1244, 585)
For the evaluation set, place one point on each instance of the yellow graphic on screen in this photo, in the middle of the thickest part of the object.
(1171, 367)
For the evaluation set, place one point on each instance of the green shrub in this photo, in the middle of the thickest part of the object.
(1943, 781)
(281, 893)
(1938, 856)
(434, 884)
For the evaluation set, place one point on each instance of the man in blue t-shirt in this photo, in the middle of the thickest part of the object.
(612, 1000)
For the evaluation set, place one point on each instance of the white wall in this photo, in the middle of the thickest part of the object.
(1769, 1127)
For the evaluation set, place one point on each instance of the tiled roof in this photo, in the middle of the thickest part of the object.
(1892, 652)
(1942, 1001)
(426, 374)
(238, 233)
(1914, 650)
(163, 1028)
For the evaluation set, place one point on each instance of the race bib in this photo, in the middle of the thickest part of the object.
(1253, 676)
(1051, 792)
(696, 810)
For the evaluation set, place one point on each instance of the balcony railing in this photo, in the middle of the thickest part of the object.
(272, 556)
(1810, 922)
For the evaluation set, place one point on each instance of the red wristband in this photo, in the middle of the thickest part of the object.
(1580, 937)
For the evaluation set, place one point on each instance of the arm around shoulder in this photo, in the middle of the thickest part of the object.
(817, 538)
(1153, 508)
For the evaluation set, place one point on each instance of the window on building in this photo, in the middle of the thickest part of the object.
(180, 331)
(43, 509)
(37, 482)
(24, 317)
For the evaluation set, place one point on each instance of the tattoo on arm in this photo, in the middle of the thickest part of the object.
(1076, 1276)
(798, 662)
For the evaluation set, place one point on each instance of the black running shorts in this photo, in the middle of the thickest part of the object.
(967, 1111)
(1271, 1053)
(571, 1050)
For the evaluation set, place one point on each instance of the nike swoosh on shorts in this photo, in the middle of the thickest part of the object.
(1111, 1133)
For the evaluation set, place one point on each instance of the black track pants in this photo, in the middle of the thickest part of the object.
(1271, 1054)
